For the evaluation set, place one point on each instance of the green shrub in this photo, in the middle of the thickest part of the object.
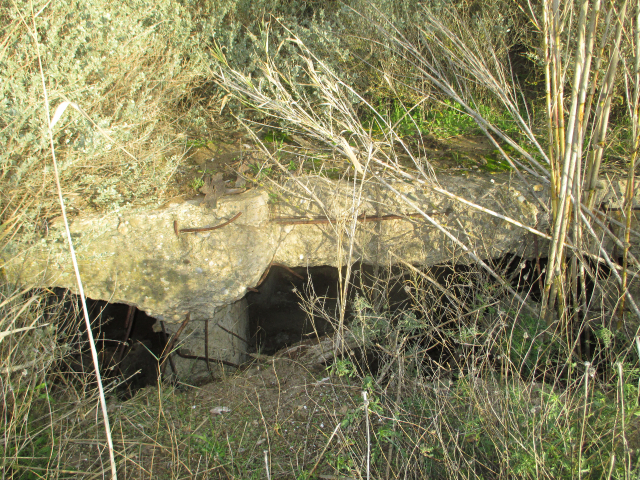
(125, 65)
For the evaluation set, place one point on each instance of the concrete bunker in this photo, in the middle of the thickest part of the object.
(278, 314)
(177, 262)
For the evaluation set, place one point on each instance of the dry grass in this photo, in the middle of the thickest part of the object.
(469, 383)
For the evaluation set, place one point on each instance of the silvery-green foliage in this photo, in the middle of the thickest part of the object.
(250, 32)
(127, 65)
(344, 36)
(122, 63)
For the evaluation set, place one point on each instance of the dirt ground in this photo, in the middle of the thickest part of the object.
(274, 413)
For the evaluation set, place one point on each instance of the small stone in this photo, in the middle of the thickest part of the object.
(301, 413)
(219, 410)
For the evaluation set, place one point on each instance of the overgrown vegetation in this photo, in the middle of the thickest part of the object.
(478, 375)
(487, 392)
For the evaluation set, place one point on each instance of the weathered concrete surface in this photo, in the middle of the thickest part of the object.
(228, 333)
(137, 258)
(414, 240)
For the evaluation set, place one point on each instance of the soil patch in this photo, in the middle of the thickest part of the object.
(224, 428)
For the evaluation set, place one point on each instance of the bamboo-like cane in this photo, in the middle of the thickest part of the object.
(635, 144)
(553, 281)
(601, 119)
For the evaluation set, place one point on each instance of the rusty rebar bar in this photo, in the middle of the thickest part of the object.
(197, 357)
(169, 347)
(128, 325)
(206, 347)
(361, 218)
(232, 333)
(274, 264)
(204, 229)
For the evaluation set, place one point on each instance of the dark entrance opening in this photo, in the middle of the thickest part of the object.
(432, 307)
(276, 317)
(128, 347)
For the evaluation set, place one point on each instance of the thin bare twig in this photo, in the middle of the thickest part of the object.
(94, 354)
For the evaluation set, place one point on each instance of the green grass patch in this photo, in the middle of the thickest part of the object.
(443, 120)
